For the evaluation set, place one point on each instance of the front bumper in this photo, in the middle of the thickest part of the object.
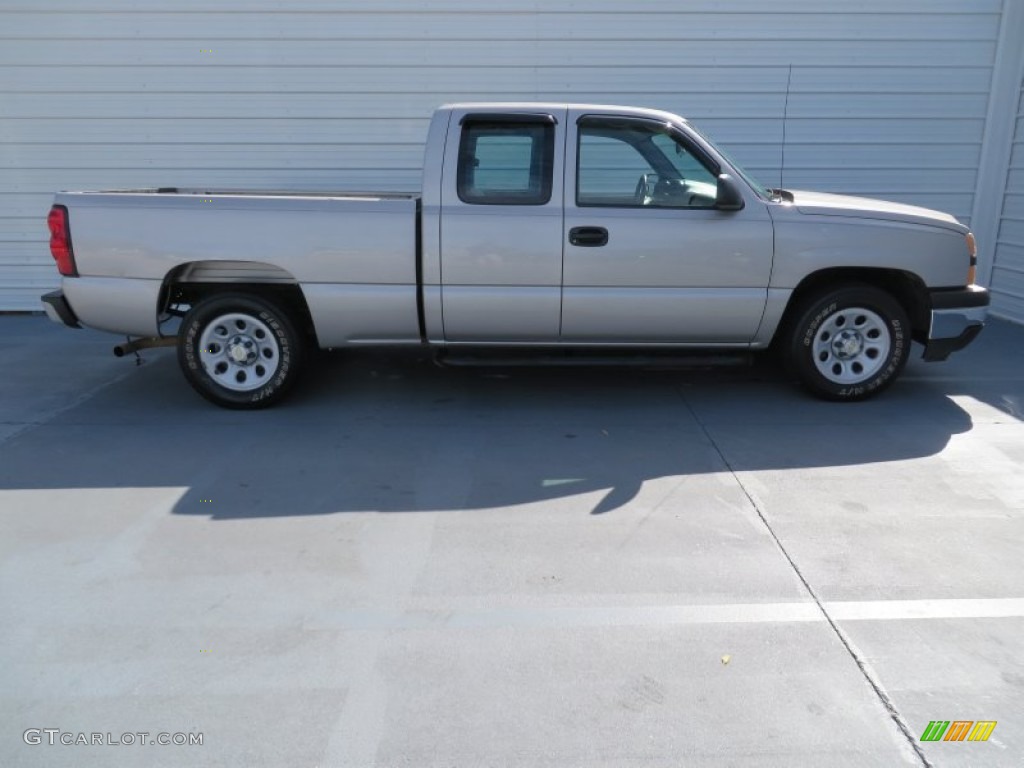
(58, 309)
(957, 317)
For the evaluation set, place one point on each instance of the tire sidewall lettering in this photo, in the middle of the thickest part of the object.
(815, 324)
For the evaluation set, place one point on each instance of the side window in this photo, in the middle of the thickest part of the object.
(684, 161)
(609, 169)
(639, 164)
(506, 163)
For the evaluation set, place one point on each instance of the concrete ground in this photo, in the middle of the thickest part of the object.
(411, 566)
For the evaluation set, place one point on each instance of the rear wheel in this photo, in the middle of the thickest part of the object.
(239, 351)
(849, 343)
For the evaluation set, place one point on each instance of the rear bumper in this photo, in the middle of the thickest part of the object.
(58, 309)
(957, 317)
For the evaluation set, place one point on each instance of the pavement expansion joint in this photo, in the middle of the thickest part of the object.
(862, 665)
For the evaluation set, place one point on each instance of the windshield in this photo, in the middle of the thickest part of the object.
(761, 190)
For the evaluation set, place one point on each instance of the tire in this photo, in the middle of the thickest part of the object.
(848, 343)
(239, 351)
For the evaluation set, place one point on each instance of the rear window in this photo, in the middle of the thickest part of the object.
(506, 163)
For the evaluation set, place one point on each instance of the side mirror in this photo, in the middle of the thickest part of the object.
(728, 197)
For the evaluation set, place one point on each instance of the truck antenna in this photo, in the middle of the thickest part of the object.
(785, 118)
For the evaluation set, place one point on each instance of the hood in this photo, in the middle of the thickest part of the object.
(819, 203)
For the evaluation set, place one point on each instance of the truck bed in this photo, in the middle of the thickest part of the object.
(354, 255)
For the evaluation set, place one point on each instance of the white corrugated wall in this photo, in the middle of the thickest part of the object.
(1008, 265)
(887, 97)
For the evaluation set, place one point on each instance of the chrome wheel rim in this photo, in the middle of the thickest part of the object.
(239, 352)
(851, 345)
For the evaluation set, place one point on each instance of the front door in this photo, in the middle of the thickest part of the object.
(501, 236)
(648, 259)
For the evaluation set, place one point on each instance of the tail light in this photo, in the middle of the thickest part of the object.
(972, 251)
(60, 241)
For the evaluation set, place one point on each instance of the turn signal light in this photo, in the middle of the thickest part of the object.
(60, 241)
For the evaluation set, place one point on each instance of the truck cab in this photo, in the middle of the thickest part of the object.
(589, 225)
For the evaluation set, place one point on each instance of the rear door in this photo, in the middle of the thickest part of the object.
(648, 259)
(501, 232)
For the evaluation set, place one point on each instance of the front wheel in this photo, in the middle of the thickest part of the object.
(849, 343)
(239, 351)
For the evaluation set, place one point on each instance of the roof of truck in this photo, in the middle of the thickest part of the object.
(549, 106)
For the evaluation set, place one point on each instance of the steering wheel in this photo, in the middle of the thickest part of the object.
(643, 188)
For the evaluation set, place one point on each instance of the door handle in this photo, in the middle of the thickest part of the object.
(588, 237)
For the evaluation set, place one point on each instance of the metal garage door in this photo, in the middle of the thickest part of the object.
(887, 97)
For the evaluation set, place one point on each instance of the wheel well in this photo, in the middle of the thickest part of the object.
(907, 288)
(181, 289)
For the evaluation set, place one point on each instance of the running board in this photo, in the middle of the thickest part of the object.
(674, 361)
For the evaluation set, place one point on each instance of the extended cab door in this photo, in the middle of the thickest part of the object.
(501, 231)
(647, 256)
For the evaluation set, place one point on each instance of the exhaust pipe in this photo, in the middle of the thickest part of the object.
(145, 343)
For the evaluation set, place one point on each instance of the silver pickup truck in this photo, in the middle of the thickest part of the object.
(555, 228)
